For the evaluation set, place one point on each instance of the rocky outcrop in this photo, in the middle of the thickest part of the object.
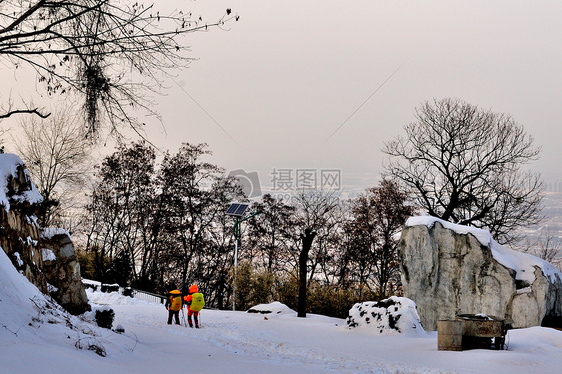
(62, 270)
(28, 247)
(19, 238)
(451, 269)
(19, 232)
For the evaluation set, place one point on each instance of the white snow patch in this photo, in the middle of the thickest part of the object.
(48, 255)
(484, 315)
(113, 298)
(51, 288)
(524, 290)
(49, 232)
(18, 259)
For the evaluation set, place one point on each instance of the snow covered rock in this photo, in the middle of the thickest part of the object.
(119, 329)
(272, 308)
(390, 316)
(45, 256)
(16, 189)
(450, 269)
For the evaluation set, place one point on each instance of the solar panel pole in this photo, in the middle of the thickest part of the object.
(235, 265)
(236, 230)
(235, 278)
(237, 211)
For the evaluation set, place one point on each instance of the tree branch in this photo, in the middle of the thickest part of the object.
(35, 111)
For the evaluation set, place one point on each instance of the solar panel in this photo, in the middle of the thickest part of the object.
(232, 208)
(237, 209)
(241, 209)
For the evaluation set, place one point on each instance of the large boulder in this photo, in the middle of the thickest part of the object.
(450, 269)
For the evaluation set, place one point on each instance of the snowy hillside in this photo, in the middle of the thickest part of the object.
(36, 337)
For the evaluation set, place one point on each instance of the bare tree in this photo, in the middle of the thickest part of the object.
(377, 216)
(464, 165)
(57, 156)
(314, 213)
(547, 246)
(124, 217)
(195, 194)
(268, 239)
(109, 51)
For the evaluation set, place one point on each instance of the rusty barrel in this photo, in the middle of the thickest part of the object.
(449, 335)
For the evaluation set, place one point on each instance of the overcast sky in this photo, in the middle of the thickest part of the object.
(285, 77)
(323, 84)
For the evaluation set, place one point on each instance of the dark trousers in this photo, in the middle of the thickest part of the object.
(195, 314)
(173, 313)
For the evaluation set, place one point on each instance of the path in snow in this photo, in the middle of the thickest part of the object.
(277, 341)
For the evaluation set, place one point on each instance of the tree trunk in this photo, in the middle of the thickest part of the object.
(307, 240)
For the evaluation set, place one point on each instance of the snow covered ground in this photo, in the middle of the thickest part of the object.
(37, 337)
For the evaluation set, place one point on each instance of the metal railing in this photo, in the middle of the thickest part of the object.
(127, 291)
(147, 296)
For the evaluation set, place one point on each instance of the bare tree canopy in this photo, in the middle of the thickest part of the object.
(464, 165)
(377, 216)
(57, 155)
(109, 51)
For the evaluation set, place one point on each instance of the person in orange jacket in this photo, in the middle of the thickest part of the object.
(174, 305)
(195, 302)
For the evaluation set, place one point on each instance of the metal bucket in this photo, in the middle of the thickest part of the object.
(449, 335)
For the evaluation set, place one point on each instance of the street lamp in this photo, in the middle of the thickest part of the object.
(237, 211)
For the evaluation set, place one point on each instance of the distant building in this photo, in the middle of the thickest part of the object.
(554, 186)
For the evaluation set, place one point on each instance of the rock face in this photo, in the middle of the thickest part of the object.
(19, 238)
(26, 244)
(448, 273)
(62, 270)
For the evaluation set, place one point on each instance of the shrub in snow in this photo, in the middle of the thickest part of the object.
(128, 291)
(91, 286)
(104, 317)
(389, 316)
(109, 288)
(91, 344)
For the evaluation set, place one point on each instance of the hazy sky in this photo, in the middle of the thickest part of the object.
(290, 73)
